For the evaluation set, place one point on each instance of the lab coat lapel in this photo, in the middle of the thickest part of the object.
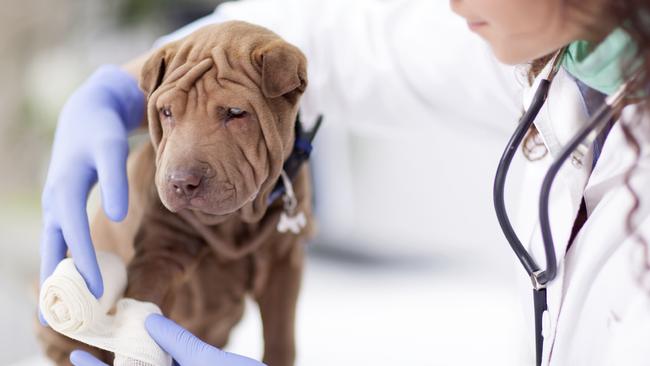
(558, 121)
(565, 114)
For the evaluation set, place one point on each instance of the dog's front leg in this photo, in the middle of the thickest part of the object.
(151, 279)
(277, 302)
(162, 255)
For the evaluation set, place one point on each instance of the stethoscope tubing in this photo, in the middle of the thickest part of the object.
(498, 193)
(598, 119)
(605, 113)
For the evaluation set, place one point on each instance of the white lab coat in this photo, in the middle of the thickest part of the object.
(599, 303)
(374, 62)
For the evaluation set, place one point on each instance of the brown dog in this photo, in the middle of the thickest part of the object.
(201, 234)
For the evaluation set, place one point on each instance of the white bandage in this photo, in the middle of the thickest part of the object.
(70, 309)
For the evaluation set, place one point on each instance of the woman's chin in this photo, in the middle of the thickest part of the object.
(508, 57)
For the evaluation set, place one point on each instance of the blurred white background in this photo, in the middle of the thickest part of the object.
(403, 272)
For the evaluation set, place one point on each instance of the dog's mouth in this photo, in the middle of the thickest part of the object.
(222, 206)
(212, 204)
(209, 204)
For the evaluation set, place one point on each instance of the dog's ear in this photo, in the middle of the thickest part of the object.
(284, 70)
(153, 70)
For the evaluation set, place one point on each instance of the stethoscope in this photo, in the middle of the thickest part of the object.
(576, 148)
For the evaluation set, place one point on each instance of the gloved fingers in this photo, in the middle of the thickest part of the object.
(83, 358)
(187, 349)
(182, 345)
(219, 357)
(113, 183)
(76, 232)
(53, 251)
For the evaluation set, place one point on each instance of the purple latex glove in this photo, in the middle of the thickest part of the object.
(90, 144)
(183, 346)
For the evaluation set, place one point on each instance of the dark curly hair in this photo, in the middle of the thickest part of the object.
(633, 16)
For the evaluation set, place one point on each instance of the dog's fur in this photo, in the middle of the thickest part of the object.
(198, 246)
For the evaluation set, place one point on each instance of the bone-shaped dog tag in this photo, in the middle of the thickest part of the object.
(293, 223)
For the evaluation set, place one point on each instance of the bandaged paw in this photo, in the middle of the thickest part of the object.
(111, 323)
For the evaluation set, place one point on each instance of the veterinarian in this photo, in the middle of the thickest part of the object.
(591, 288)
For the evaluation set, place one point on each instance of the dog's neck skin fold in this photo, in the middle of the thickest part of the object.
(239, 245)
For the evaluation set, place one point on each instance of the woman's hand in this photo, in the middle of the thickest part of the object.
(90, 144)
(182, 345)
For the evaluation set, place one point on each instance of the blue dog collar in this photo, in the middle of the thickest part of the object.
(302, 149)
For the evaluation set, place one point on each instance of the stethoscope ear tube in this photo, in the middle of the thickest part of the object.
(598, 119)
(537, 276)
(525, 122)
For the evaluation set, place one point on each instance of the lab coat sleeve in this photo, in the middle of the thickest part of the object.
(282, 16)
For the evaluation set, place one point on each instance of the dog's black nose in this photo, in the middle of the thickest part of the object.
(185, 183)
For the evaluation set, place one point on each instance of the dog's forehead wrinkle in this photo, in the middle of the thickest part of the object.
(203, 94)
(236, 66)
(212, 83)
(163, 96)
(195, 73)
(227, 59)
(192, 102)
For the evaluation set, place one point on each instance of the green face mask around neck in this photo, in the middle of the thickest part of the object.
(599, 66)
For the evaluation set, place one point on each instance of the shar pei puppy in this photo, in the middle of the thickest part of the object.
(220, 199)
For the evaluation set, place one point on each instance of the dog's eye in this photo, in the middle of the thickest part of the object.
(234, 113)
(165, 111)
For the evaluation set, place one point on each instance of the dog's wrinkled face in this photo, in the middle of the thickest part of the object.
(221, 109)
(212, 153)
